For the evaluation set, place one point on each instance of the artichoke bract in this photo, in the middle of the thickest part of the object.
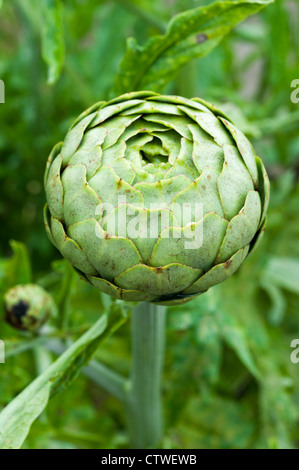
(28, 307)
(155, 198)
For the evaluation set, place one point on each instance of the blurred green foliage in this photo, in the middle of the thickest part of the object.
(229, 381)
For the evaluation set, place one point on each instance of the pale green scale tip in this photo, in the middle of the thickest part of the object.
(166, 150)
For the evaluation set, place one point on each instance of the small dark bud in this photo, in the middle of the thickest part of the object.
(28, 307)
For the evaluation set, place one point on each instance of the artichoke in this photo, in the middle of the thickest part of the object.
(155, 198)
(28, 307)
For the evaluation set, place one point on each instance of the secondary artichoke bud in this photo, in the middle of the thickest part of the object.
(28, 307)
(155, 198)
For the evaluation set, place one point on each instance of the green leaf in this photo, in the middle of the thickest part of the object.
(52, 38)
(283, 272)
(278, 411)
(17, 418)
(215, 422)
(235, 337)
(17, 269)
(280, 273)
(279, 304)
(207, 335)
(191, 34)
(227, 326)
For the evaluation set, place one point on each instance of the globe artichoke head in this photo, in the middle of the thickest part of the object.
(155, 198)
(28, 307)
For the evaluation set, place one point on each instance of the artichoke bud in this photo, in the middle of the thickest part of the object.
(28, 307)
(155, 198)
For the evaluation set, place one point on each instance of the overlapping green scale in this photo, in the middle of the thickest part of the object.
(155, 198)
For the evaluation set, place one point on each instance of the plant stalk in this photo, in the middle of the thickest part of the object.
(145, 413)
(100, 374)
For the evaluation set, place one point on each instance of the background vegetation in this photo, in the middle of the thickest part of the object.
(229, 381)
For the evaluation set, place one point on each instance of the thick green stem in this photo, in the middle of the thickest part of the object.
(141, 395)
(145, 403)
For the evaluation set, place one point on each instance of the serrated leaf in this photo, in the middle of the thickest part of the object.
(280, 273)
(278, 300)
(235, 337)
(191, 34)
(283, 272)
(52, 38)
(17, 418)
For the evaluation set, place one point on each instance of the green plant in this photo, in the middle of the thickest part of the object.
(228, 381)
(155, 198)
